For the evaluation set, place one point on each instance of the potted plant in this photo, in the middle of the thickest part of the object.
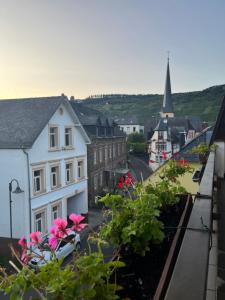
(142, 227)
(203, 151)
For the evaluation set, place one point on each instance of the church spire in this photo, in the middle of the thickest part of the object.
(167, 108)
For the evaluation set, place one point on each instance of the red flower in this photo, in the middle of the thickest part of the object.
(182, 162)
(164, 155)
(120, 185)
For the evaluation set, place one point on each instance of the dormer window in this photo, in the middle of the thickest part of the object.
(68, 137)
(53, 137)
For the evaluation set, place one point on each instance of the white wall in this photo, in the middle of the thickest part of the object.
(40, 153)
(13, 164)
(128, 129)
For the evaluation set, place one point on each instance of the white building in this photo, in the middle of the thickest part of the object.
(171, 132)
(129, 125)
(42, 146)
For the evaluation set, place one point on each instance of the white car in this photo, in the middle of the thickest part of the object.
(66, 246)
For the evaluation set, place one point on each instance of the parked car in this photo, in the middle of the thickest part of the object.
(65, 247)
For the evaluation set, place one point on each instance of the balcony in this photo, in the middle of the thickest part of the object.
(194, 274)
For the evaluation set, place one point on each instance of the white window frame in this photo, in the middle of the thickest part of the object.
(57, 204)
(56, 147)
(81, 171)
(70, 137)
(43, 219)
(69, 162)
(42, 190)
(57, 173)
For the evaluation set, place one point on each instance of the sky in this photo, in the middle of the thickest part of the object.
(87, 47)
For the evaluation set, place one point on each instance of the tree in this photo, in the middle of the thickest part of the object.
(136, 142)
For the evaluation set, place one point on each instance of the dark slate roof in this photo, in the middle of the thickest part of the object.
(131, 120)
(90, 116)
(167, 100)
(182, 123)
(22, 120)
(162, 125)
(219, 129)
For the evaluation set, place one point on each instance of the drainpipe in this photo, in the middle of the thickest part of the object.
(29, 200)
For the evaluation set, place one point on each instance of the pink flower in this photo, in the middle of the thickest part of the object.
(76, 221)
(22, 242)
(24, 257)
(55, 232)
(60, 225)
(35, 238)
(53, 242)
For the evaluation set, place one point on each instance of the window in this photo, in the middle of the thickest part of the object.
(160, 135)
(55, 176)
(53, 137)
(134, 129)
(160, 146)
(96, 182)
(38, 180)
(118, 149)
(114, 150)
(80, 169)
(69, 172)
(106, 153)
(95, 157)
(68, 137)
(128, 129)
(101, 179)
(100, 155)
(56, 211)
(110, 151)
(40, 221)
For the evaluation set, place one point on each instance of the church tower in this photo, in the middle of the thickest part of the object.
(167, 108)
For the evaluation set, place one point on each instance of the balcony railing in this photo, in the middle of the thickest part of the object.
(189, 278)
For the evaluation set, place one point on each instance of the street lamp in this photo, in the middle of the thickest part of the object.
(16, 191)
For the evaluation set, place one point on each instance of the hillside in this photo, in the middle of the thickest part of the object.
(204, 104)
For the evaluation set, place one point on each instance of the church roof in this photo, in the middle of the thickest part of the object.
(167, 100)
(162, 125)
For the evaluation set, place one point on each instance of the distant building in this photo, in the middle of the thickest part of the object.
(170, 133)
(107, 157)
(43, 148)
(129, 125)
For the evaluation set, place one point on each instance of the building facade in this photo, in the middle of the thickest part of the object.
(107, 155)
(129, 125)
(43, 147)
(171, 133)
